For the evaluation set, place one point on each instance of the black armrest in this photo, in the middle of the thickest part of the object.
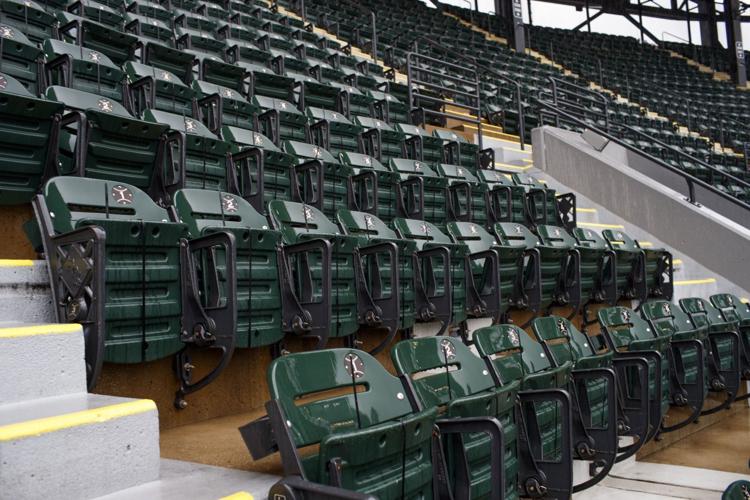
(79, 119)
(311, 192)
(359, 191)
(210, 112)
(383, 311)
(456, 190)
(320, 132)
(430, 304)
(485, 301)
(247, 185)
(268, 123)
(413, 207)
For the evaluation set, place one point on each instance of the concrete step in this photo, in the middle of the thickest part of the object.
(41, 361)
(77, 446)
(24, 292)
(512, 154)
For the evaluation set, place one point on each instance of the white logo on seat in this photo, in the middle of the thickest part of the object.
(229, 93)
(190, 125)
(122, 195)
(473, 229)
(417, 166)
(3, 82)
(6, 32)
(257, 139)
(95, 56)
(368, 161)
(282, 105)
(369, 222)
(588, 234)
(316, 152)
(425, 229)
(562, 326)
(730, 301)
(556, 232)
(619, 236)
(666, 309)
(449, 350)
(513, 337)
(229, 204)
(165, 76)
(307, 214)
(105, 105)
(518, 229)
(460, 171)
(625, 314)
(354, 365)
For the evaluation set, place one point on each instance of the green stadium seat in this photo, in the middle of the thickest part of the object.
(627, 334)
(332, 272)
(153, 88)
(101, 140)
(389, 108)
(267, 307)
(423, 194)
(326, 185)
(168, 58)
(444, 374)
(380, 140)
(353, 101)
(143, 308)
(598, 272)
(194, 157)
(333, 131)
(117, 45)
(21, 58)
(507, 201)
(467, 200)
(96, 11)
(445, 275)
(545, 466)
(420, 145)
(29, 130)
(631, 265)
(28, 17)
(83, 69)
(459, 151)
(279, 120)
(733, 309)
(544, 205)
(724, 349)
(149, 28)
(264, 172)
(345, 426)
(223, 106)
(375, 188)
(149, 9)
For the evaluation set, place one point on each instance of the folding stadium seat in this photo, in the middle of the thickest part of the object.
(389, 108)
(627, 334)
(149, 28)
(194, 157)
(21, 59)
(314, 93)
(724, 349)
(152, 88)
(420, 145)
(280, 121)
(380, 140)
(480, 298)
(332, 131)
(144, 307)
(598, 269)
(468, 197)
(556, 279)
(177, 62)
(512, 268)
(690, 352)
(117, 45)
(267, 306)
(83, 69)
(734, 310)
(347, 427)
(149, 9)
(353, 101)
(193, 20)
(375, 188)
(591, 384)
(423, 194)
(264, 172)
(459, 151)
(266, 83)
(544, 205)
(29, 128)
(29, 18)
(544, 412)
(332, 270)
(101, 140)
(326, 185)
(640, 272)
(444, 374)
(96, 11)
(241, 47)
(507, 201)
(223, 106)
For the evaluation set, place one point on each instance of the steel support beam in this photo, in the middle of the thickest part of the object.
(643, 29)
(512, 13)
(734, 41)
(709, 31)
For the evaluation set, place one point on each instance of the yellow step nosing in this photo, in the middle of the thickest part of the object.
(240, 495)
(645, 243)
(32, 330)
(704, 281)
(513, 167)
(586, 210)
(744, 300)
(602, 225)
(40, 426)
(676, 262)
(16, 262)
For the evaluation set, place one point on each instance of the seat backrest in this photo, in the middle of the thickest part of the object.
(201, 209)
(76, 199)
(317, 114)
(666, 318)
(555, 236)
(472, 235)
(447, 135)
(501, 344)
(303, 374)
(245, 137)
(563, 340)
(10, 85)
(624, 326)
(731, 307)
(297, 219)
(372, 123)
(404, 166)
(619, 240)
(364, 226)
(360, 160)
(441, 369)
(702, 313)
(420, 231)
(277, 104)
(307, 151)
(55, 48)
(82, 101)
(515, 235)
(589, 239)
(186, 124)
(493, 177)
(528, 181)
(456, 172)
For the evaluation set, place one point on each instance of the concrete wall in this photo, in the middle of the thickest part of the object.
(614, 179)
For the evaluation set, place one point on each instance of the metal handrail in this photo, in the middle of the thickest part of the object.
(374, 32)
(594, 95)
(689, 179)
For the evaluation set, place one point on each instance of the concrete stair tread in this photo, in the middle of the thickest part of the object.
(47, 408)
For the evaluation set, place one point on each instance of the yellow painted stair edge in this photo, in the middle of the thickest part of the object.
(32, 330)
(16, 263)
(40, 426)
(240, 495)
